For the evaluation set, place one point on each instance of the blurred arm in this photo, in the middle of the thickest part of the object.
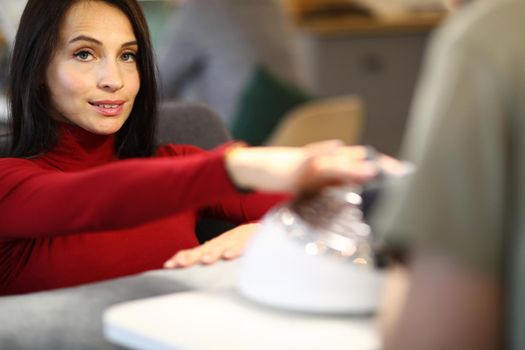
(448, 306)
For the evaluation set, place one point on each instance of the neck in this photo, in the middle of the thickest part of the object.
(79, 149)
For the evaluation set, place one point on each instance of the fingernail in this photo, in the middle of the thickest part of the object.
(206, 258)
(169, 264)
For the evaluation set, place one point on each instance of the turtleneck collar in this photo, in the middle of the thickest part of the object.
(79, 149)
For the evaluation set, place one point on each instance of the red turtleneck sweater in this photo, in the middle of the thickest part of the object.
(77, 214)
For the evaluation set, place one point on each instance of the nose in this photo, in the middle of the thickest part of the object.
(110, 76)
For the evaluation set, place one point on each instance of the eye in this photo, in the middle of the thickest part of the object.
(128, 57)
(83, 55)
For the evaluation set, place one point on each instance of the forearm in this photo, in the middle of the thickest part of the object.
(448, 306)
(300, 169)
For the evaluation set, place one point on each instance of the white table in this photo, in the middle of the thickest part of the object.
(71, 318)
(211, 315)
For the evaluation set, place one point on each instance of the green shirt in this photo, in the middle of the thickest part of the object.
(466, 135)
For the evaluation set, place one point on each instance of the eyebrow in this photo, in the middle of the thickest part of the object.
(98, 42)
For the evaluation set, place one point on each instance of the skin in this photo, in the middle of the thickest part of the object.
(229, 245)
(94, 62)
(447, 306)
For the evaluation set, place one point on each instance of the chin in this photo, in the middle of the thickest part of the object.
(108, 126)
(106, 129)
(106, 132)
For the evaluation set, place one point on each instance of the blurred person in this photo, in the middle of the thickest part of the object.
(85, 194)
(9, 17)
(4, 54)
(8, 23)
(212, 49)
(459, 216)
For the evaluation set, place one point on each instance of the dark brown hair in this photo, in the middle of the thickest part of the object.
(32, 128)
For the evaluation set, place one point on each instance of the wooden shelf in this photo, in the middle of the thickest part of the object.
(346, 24)
(332, 17)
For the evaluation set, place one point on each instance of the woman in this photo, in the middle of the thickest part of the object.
(85, 194)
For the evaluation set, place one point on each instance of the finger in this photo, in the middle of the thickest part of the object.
(211, 255)
(392, 166)
(234, 252)
(184, 258)
(170, 263)
(332, 170)
(356, 152)
(324, 146)
(173, 262)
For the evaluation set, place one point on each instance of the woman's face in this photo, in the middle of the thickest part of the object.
(93, 77)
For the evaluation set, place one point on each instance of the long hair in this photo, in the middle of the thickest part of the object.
(32, 128)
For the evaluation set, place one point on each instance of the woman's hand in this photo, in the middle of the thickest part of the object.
(299, 169)
(229, 245)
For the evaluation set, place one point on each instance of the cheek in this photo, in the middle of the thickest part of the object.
(134, 84)
(67, 83)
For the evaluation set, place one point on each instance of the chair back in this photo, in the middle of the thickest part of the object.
(190, 123)
(322, 119)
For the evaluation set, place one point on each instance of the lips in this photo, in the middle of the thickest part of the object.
(108, 108)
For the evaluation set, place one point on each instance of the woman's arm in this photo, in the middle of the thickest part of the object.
(448, 306)
(300, 169)
(36, 203)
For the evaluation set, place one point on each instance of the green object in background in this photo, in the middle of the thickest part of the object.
(157, 13)
(265, 100)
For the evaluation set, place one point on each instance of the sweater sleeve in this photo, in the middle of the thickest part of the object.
(237, 209)
(244, 209)
(40, 203)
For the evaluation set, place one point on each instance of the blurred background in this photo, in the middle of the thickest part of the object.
(307, 69)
